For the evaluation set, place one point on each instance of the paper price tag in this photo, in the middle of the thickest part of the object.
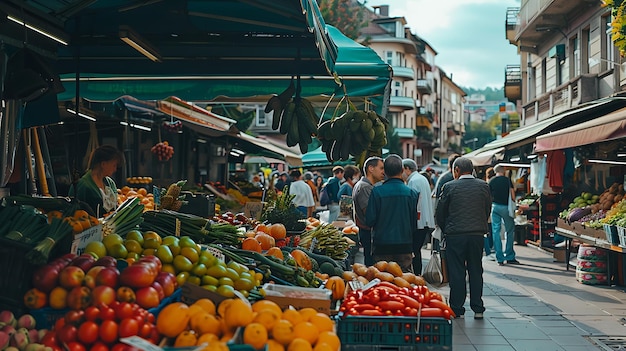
(216, 252)
(177, 232)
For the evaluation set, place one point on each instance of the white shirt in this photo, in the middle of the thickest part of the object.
(425, 204)
(303, 193)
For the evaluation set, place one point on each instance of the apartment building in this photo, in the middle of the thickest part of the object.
(567, 57)
(426, 106)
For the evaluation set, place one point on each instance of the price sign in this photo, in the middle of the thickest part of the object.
(215, 252)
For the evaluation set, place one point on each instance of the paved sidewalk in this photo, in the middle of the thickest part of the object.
(539, 306)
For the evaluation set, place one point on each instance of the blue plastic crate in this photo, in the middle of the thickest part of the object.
(611, 234)
(419, 333)
(47, 316)
(175, 297)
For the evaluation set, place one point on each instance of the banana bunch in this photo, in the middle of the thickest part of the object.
(357, 133)
(296, 118)
(277, 103)
(326, 239)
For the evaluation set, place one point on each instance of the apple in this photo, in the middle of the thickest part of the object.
(106, 261)
(93, 271)
(71, 276)
(157, 286)
(108, 276)
(26, 321)
(33, 335)
(125, 294)
(153, 259)
(20, 339)
(8, 318)
(147, 297)
(167, 281)
(79, 298)
(45, 278)
(4, 340)
(103, 294)
(137, 276)
(9, 329)
(84, 261)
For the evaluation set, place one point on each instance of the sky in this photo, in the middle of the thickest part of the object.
(468, 35)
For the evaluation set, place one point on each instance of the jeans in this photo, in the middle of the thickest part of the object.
(365, 236)
(418, 242)
(488, 242)
(333, 210)
(304, 210)
(464, 253)
(500, 213)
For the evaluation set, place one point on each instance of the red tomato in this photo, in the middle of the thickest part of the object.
(150, 318)
(108, 331)
(75, 316)
(92, 313)
(124, 310)
(88, 332)
(99, 346)
(67, 333)
(50, 339)
(128, 327)
(106, 313)
(59, 323)
(145, 330)
(75, 346)
(123, 347)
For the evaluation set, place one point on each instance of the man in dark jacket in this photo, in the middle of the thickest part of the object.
(392, 215)
(462, 214)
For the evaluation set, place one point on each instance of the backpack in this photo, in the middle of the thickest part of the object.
(324, 198)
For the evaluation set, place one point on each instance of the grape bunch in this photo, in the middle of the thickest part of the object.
(163, 151)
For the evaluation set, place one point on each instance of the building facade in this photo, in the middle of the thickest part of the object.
(567, 57)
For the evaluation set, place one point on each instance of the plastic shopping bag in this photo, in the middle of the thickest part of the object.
(434, 272)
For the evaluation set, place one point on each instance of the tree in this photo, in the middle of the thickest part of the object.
(349, 16)
(618, 25)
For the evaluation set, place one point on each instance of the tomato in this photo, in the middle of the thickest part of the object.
(75, 317)
(128, 327)
(124, 310)
(106, 313)
(92, 313)
(99, 346)
(75, 346)
(145, 330)
(88, 332)
(59, 323)
(108, 331)
(67, 333)
(123, 347)
(50, 339)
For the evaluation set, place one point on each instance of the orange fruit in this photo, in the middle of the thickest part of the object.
(293, 316)
(299, 344)
(58, 298)
(255, 335)
(207, 339)
(173, 319)
(307, 331)
(238, 314)
(278, 231)
(267, 304)
(273, 345)
(322, 322)
(283, 332)
(267, 318)
(322, 346)
(329, 338)
(307, 313)
(203, 323)
(207, 305)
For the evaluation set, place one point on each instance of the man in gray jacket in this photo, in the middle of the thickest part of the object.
(462, 215)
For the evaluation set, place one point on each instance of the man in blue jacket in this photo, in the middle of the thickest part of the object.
(392, 215)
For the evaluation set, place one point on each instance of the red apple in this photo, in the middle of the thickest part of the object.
(154, 259)
(45, 278)
(84, 261)
(106, 261)
(157, 286)
(93, 272)
(147, 297)
(108, 276)
(137, 276)
(167, 281)
(79, 298)
(71, 276)
(89, 282)
(103, 294)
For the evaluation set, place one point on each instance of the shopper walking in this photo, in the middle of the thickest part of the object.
(462, 214)
(374, 172)
(425, 210)
(489, 250)
(303, 199)
(332, 186)
(308, 179)
(501, 190)
(392, 215)
(349, 173)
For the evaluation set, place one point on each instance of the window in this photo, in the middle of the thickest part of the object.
(575, 57)
(404, 125)
(532, 88)
(390, 57)
(586, 50)
(608, 52)
(397, 88)
(544, 86)
(453, 98)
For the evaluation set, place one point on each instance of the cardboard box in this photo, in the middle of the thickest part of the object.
(285, 296)
(85, 237)
(559, 254)
(191, 293)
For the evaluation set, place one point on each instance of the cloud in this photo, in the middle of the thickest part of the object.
(468, 35)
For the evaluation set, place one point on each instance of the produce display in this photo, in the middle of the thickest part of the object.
(145, 198)
(200, 229)
(171, 199)
(361, 134)
(282, 210)
(596, 210)
(126, 217)
(327, 240)
(20, 332)
(139, 180)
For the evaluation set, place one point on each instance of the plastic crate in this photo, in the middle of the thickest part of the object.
(611, 234)
(621, 234)
(47, 316)
(360, 332)
(15, 275)
(175, 297)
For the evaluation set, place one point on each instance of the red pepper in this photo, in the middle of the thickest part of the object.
(364, 306)
(410, 312)
(409, 301)
(371, 313)
(442, 305)
(391, 305)
(431, 312)
(392, 286)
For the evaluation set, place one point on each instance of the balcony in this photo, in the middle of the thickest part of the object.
(578, 91)
(455, 128)
(404, 102)
(513, 83)
(424, 135)
(405, 73)
(423, 86)
(404, 133)
(550, 15)
(424, 113)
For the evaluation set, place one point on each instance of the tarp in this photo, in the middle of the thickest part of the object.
(485, 158)
(605, 128)
(291, 158)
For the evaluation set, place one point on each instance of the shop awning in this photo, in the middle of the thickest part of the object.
(528, 134)
(291, 158)
(605, 128)
(192, 114)
(485, 158)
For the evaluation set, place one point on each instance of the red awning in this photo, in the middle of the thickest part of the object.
(608, 127)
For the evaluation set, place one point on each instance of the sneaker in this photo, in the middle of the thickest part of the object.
(513, 262)
(459, 316)
(478, 315)
(500, 263)
(492, 257)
